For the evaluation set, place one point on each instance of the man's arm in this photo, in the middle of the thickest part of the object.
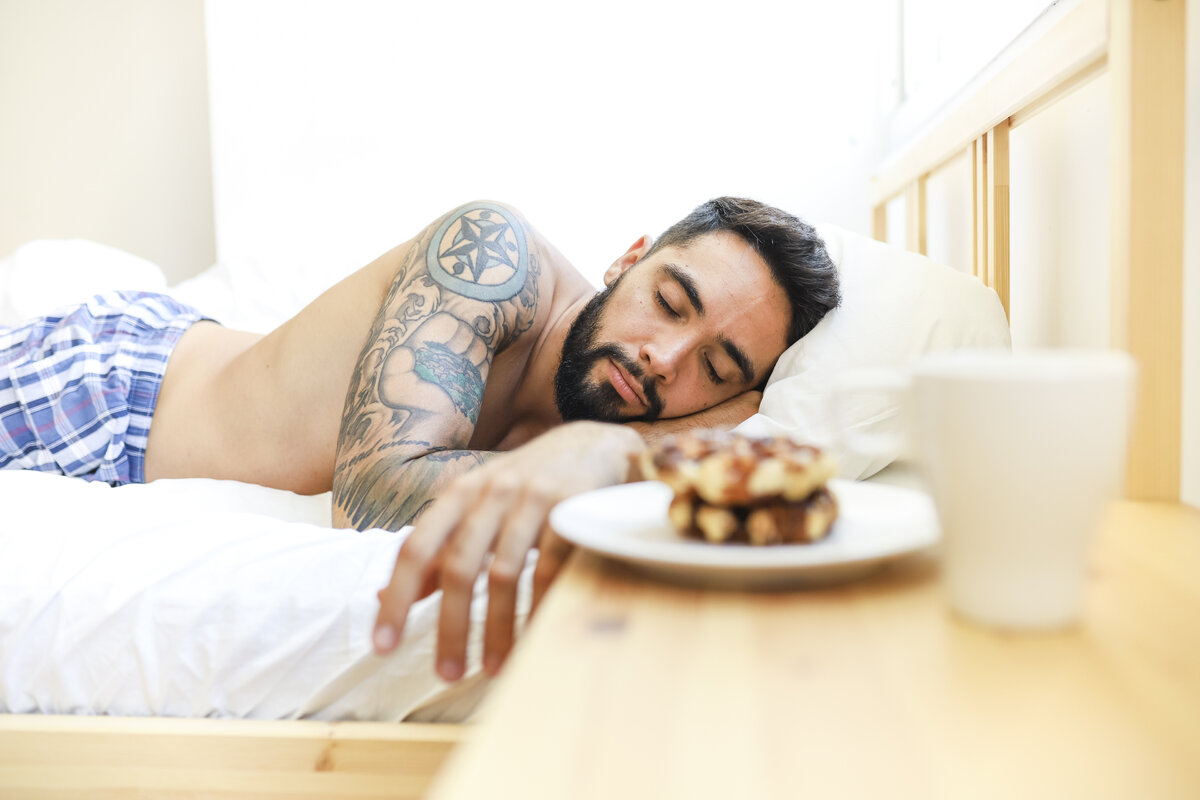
(726, 415)
(466, 287)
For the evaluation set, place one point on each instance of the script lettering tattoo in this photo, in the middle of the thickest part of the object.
(467, 288)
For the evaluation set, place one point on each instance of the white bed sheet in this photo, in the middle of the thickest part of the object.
(205, 598)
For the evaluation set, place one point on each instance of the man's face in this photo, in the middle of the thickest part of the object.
(679, 332)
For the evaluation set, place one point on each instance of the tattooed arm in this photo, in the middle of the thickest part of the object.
(467, 287)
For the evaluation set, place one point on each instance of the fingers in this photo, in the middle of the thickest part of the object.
(521, 531)
(504, 503)
(552, 555)
(416, 570)
(511, 516)
(461, 565)
(413, 566)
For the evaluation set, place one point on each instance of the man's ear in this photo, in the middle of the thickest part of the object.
(631, 257)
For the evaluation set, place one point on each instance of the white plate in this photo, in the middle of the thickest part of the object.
(876, 523)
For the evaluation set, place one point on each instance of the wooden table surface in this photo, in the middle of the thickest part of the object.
(629, 688)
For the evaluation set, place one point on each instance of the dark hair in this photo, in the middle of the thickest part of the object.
(791, 248)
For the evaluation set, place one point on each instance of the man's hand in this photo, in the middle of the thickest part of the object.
(502, 506)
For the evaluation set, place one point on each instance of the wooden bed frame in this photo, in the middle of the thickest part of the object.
(1140, 43)
(44, 756)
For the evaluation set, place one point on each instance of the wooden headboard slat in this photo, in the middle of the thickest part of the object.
(1147, 65)
(997, 216)
(1057, 51)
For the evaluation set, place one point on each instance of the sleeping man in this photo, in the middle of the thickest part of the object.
(470, 376)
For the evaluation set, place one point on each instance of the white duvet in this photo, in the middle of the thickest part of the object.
(205, 598)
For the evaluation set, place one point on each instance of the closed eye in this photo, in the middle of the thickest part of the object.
(662, 302)
(712, 372)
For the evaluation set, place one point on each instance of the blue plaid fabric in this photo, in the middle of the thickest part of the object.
(78, 387)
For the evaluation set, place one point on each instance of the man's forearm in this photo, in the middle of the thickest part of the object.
(387, 495)
(727, 415)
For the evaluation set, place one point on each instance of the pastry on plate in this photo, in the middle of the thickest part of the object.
(735, 488)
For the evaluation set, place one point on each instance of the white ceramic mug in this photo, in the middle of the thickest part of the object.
(1021, 452)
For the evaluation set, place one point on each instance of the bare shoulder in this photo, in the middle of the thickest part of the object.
(484, 259)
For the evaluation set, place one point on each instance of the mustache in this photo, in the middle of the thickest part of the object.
(654, 402)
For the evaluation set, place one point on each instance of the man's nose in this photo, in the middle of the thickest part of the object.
(664, 356)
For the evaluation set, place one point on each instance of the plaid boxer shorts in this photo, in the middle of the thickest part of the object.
(78, 387)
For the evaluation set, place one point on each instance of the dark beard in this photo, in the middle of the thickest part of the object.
(575, 394)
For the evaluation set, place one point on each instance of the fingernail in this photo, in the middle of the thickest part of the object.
(385, 638)
(449, 669)
(491, 664)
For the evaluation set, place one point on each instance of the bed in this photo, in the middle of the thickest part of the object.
(212, 633)
(291, 730)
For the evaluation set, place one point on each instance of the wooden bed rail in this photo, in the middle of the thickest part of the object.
(44, 757)
(1140, 44)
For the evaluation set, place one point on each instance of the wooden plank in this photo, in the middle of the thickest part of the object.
(45, 756)
(997, 212)
(972, 156)
(915, 226)
(1086, 74)
(980, 207)
(1146, 63)
(1047, 57)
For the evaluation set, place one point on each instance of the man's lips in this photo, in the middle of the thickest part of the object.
(624, 384)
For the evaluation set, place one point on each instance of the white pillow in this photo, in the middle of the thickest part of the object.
(49, 273)
(896, 306)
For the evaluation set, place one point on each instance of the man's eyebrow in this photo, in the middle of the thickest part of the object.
(743, 362)
(740, 359)
(688, 285)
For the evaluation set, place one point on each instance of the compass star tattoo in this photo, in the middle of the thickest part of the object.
(480, 252)
(481, 243)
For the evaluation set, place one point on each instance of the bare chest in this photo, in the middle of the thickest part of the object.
(505, 420)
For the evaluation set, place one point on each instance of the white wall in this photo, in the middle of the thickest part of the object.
(104, 127)
(342, 127)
